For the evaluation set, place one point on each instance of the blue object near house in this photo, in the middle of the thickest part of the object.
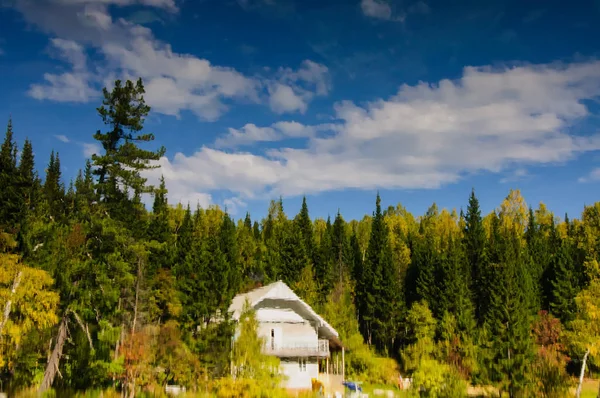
(352, 386)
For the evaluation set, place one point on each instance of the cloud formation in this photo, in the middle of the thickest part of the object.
(592, 176)
(250, 133)
(174, 81)
(63, 138)
(425, 136)
(378, 9)
(72, 86)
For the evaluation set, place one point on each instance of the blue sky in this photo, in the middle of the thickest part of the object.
(335, 99)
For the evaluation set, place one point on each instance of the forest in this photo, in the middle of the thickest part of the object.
(97, 292)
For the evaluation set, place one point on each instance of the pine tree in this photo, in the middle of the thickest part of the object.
(564, 284)
(306, 229)
(508, 319)
(54, 189)
(10, 202)
(256, 231)
(426, 263)
(159, 226)
(28, 180)
(228, 246)
(340, 248)
(118, 168)
(248, 222)
(292, 254)
(380, 295)
(475, 242)
(455, 293)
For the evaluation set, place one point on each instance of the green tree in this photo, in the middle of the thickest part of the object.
(564, 284)
(475, 244)
(118, 168)
(508, 321)
(54, 190)
(10, 204)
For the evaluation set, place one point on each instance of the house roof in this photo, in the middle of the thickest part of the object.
(279, 295)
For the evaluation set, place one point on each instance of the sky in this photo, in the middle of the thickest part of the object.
(333, 99)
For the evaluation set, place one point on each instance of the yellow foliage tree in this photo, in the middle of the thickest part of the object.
(513, 212)
(26, 302)
(585, 329)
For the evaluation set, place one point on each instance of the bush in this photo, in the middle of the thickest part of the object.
(437, 380)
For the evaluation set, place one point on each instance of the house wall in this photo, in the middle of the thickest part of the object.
(289, 335)
(290, 329)
(297, 377)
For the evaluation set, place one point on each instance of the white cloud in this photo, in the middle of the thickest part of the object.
(425, 136)
(420, 7)
(283, 99)
(515, 175)
(294, 89)
(73, 86)
(250, 133)
(90, 148)
(62, 137)
(233, 205)
(174, 81)
(593, 175)
(164, 4)
(376, 9)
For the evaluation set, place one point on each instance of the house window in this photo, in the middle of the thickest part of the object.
(272, 339)
(302, 364)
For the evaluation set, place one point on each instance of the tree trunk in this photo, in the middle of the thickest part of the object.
(54, 360)
(578, 393)
(137, 295)
(8, 304)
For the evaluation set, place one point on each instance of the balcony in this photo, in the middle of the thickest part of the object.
(320, 349)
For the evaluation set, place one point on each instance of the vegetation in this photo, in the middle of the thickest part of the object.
(99, 293)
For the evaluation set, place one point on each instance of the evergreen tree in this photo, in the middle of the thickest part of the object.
(340, 249)
(228, 245)
(426, 263)
(306, 229)
(159, 226)
(118, 168)
(380, 294)
(248, 222)
(28, 180)
(564, 284)
(10, 202)
(256, 231)
(508, 320)
(54, 190)
(475, 242)
(455, 294)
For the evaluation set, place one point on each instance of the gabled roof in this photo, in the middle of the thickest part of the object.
(279, 295)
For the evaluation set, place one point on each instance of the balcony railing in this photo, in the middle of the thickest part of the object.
(320, 349)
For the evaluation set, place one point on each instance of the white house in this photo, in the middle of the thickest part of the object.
(295, 333)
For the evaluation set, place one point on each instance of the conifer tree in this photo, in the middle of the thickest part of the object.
(508, 320)
(380, 294)
(159, 226)
(248, 222)
(228, 245)
(54, 190)
(564, 284)
(340, 249)
(9, 195)
(28, 179)
(306, 229)
(475, 242)
(118, 168)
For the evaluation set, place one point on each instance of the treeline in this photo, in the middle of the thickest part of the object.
(96, 291)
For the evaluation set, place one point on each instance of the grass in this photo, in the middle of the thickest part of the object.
(590, 388)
